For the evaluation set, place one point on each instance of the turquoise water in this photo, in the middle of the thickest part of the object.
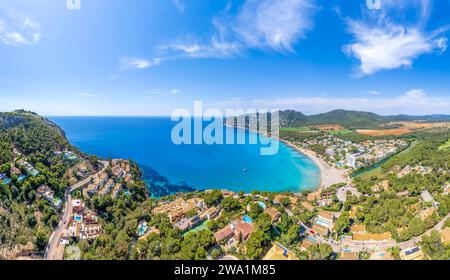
(169, 168)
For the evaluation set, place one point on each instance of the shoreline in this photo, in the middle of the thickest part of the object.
(329, 175)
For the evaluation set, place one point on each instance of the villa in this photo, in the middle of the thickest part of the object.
(224, 234)
(273, 213)
(279, 253)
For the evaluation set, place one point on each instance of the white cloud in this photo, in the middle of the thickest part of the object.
(179, 5)
(18, 29)
(382, 41)
(413, 102)
(161, 92)
(275, 25)
(138, 63)
(258, 24)
(88, 95)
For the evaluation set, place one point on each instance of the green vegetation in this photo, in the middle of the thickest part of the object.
(446, 146)
(340, 132)
(25, 219)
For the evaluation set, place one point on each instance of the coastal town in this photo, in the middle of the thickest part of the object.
(397, 209)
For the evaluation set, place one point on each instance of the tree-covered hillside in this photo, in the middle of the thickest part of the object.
(30, 133)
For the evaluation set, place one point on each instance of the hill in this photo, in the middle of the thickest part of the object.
(350, 119)
(29, 134)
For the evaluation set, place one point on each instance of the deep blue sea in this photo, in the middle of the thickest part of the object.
(170, 168)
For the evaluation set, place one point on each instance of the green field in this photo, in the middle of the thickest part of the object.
(340, 132)
(295, 129)
(445, 146)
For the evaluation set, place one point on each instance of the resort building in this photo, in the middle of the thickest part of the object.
(358, 229)
(308, 206)
(273, 213)
(306, 243)
(84, 223)
(177, 209)
(279, 253)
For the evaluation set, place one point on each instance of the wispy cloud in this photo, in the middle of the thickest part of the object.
(258, 24)
(179, 5)
(18, 29)
(88, 95)
(413, 102)
(161, 92)
(138, 63)
(384, 41)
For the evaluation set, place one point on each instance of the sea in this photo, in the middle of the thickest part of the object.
(169, 168)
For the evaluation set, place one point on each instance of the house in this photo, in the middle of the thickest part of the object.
(116, 190)
(423, 215)
(313, 196)
(273, 213)
(320, 229)
(306, 243)
(308, 206)
(182, 224)
(445, 236)
(326, 216)
(414, 253)
(242, 230)
(358, 229)
(224, 234)
(279, 253)
(426, 196)
(372, 238)
(212, 212)
(348, 256)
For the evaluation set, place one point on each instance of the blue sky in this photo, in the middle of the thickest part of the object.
(150, 57)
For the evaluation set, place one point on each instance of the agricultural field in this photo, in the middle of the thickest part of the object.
(418, 125)
(385, 132)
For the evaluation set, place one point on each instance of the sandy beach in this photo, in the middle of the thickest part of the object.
(329, 175)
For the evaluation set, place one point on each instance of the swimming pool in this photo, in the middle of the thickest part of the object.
(247, 219)
(77, 218)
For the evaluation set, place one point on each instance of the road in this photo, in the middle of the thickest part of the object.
(54, 250)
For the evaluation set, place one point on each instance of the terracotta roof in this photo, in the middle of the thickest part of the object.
(279, 253)
(358, 228)
(349, 256)
(445, 235)
(224, 233)
(326, 215)
(372, 237)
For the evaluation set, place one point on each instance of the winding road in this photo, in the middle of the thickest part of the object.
(55, 250)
